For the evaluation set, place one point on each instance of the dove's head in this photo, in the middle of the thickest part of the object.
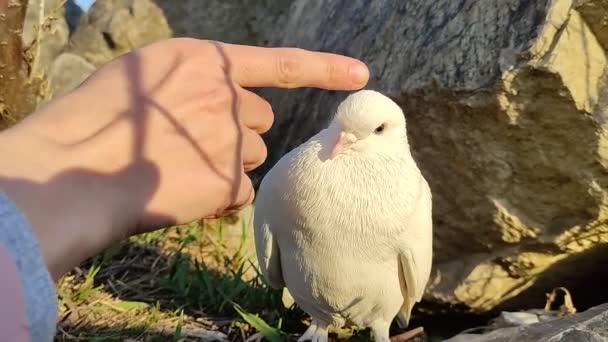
(367, 122)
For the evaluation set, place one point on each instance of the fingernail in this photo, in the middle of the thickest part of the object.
(358, 73)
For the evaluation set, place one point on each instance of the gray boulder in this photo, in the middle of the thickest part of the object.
(237, 21)
(109, 29)
(588, 326)
(113, 27)
(67, 73)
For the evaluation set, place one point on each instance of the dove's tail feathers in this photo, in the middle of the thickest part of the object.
(403, 320)
(404, 315)
(412, 292)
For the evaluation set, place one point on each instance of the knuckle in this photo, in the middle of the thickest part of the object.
(335, 73)
(244, 188)
(288, 70)
(257, 152)
(251, 196)
(184, 44)
(262, 150)
(188, 43)
(267, 106)
(268, 118)
(263, 154)
(228, 98)
(193, 49)
(220, 99)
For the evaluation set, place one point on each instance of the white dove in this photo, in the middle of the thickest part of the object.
(344, 221)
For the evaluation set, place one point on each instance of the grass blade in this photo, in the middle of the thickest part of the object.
(130, 305)
(178, 330)
(271, 334)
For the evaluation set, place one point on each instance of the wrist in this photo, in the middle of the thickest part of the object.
(69, 207)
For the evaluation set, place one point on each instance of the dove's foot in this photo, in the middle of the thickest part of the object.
(316, 332)
(381, 331)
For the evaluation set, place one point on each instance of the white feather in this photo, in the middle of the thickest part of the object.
(350, 237)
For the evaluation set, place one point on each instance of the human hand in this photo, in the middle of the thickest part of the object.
(160, 136)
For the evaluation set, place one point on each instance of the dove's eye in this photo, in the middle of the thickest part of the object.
(379, 129)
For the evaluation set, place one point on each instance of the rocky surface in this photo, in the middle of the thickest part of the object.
(113, 27)
(109, 29)
(237, 21)
(588, 326)
(505, 103)
(67, 72)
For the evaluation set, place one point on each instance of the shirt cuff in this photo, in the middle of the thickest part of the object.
(17, 236)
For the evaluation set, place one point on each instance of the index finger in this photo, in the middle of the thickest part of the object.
(251, 66)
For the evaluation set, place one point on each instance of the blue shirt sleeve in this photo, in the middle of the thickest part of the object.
(17, 236)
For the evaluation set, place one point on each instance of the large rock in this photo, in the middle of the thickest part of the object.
(588, 326)
(109, 29)
(113, 27)
(68, 72)
(505, 102)
(237, 21)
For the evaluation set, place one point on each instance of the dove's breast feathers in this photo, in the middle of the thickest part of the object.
(332, 232)
(357, 194)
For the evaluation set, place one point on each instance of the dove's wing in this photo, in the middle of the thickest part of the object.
(415, 257)
(266, 246)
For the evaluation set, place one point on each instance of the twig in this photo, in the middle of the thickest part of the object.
(44, 22)
(72, 312)
(200, 334)
(408, 335)
(60, 328)
(36, 56)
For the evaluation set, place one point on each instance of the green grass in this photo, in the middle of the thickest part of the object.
(167, 285)
(272, 334)
(178, 284)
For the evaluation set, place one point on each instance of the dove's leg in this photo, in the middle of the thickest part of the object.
(316, 332)
(381, 331)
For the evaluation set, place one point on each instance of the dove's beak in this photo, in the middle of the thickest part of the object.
(344, 141)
